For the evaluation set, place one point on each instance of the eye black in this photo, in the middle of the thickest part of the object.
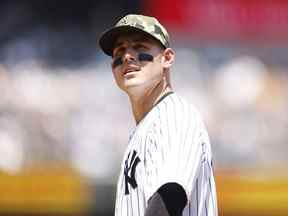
(145, 57)
(141, 57)
(118, 61)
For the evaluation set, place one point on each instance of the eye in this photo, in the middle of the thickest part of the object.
(118, 51)
(140, 47)
(117, 61)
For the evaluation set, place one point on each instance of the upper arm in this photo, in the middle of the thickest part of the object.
(169, 200)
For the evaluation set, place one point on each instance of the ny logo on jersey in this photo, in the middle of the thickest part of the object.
(130, 168)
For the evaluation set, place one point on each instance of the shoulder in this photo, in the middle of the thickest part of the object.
(175, 105)
(176, 117)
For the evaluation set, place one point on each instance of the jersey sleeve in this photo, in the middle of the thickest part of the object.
(177, 150)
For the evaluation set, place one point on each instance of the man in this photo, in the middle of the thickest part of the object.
(167, 168)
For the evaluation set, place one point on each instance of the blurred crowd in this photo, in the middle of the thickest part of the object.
(77, 117)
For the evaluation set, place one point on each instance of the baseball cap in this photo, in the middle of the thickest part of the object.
(133, 23)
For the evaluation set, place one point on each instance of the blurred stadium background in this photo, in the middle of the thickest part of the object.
(64, 124)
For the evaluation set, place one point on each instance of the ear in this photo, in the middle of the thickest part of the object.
(168, 58)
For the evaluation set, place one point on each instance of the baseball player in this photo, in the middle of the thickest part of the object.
(167, 166)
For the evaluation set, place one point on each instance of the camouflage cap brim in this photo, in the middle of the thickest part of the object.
(108, 38)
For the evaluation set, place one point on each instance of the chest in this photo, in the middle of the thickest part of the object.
(132, 173)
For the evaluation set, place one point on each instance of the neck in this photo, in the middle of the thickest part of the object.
(142, 104)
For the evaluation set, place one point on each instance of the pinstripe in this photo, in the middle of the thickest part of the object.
(196, 166)
(161, 132)
(192, 140)
(144, 202)
(150, 156)
(145, 147)
(178, 130)
(186, 140)
(169, 140)
(132, 203)
(197, 203)
(187, 126)
(173, 107)
(160, 128)
(212, 199)
(167, 121)
(184, 122)
(155, 145)
(127, 206)
(138, 203)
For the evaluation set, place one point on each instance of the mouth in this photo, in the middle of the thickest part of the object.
(130, 70)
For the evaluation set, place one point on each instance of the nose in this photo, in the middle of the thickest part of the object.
(129, 56)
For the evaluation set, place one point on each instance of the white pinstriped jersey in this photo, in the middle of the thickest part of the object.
(170, 144)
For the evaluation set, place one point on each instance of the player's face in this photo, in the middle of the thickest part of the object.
(137, 63)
